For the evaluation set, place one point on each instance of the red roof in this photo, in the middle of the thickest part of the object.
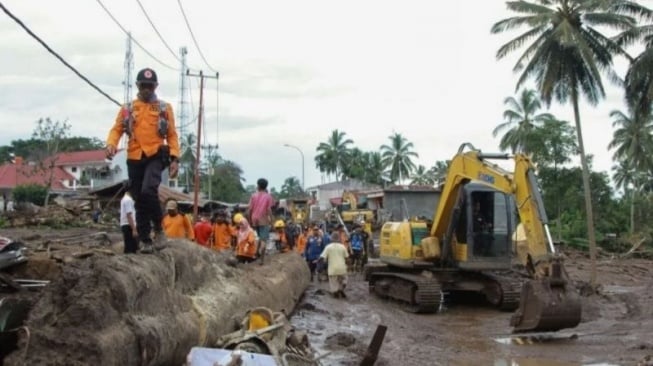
(12, 175)
(81, 157)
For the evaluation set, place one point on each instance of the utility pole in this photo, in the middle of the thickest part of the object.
(210, 160)
(196, 184)
(127, 82)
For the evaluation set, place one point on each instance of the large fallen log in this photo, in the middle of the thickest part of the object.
(151, 309)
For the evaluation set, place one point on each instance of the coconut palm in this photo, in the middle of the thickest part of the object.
(521, 118)
(439, 171)
(638, 82)
(566, 57)
(398, 157)
(632, 139)
(333, 154)
(374, 172)
(423, 176)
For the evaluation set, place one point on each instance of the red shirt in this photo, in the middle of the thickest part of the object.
(202, 232)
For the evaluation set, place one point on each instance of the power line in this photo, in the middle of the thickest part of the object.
(134, 39)
(57, 55)
(193, 36)
(157, 31)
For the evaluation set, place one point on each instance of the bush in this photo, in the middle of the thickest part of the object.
(33, 193)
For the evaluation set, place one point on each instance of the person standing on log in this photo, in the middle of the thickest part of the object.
(260, 213)
(336, 254)
(128, 223)
(153, 146)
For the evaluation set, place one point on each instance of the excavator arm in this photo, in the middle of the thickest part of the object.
(548, 302)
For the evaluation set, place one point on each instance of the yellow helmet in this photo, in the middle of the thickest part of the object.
(279, 224)
(238, 218)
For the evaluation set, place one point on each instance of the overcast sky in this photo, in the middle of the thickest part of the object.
(290, 72)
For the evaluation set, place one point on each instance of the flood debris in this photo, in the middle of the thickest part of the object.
(261, 332)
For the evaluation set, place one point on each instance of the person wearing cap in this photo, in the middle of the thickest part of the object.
(176, 225)
(153, 145)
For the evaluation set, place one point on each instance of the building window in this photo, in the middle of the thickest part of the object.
(73, 169)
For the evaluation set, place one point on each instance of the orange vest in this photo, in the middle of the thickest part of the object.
(145, 135)
(247, 247)
(177, 226)
(222, 234)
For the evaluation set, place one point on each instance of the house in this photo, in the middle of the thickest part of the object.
(66, 172)
(324, 194)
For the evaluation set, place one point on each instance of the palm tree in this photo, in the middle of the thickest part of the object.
(638, 82)
(423, 176)
(632, 139)
(398, 157)
(375, 168)
(566, 57)
(623, 175)
(439, 171)
(521, 119)
(333, 154)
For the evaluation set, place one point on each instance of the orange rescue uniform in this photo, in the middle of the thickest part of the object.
(300, 244)
(247, 247)
(222, 235)
(283, 241)
(177, 226)
(145, 138)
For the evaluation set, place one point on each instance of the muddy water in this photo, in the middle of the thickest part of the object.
(617, 330)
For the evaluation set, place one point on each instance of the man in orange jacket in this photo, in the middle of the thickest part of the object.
(153, 145)
(176, 225)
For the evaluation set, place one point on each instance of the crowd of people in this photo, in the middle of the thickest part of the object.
(153, 146)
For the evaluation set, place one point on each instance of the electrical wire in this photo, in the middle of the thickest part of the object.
(157, 31)
(134, 39)
(55, 54)
(193, 36)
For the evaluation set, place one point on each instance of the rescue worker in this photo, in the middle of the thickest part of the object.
(223, 232)
(358, 245)
(202, 230)
(176, 225)
(301, 241)
(245, 242)
(315, 243)
(281, 240)
(335, 254)
(153, 145)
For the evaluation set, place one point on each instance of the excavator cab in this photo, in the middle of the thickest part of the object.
(482, 233)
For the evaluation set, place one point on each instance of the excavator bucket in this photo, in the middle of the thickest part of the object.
(547, 304)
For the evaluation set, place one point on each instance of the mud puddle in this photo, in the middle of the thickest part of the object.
(544, 362)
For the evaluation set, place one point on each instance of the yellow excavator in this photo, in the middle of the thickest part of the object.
(469, 247)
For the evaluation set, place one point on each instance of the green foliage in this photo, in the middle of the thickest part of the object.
(291, 188)
(33, 193)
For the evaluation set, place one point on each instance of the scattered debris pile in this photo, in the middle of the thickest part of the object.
(147, 309)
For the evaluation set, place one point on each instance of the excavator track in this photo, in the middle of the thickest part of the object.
(417, 294)
(507, 291)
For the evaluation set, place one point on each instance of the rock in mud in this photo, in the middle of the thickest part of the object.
(151, 309)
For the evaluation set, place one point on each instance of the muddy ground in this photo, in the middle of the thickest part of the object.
(617, 326)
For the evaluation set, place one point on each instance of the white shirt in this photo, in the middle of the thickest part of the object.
(126, 207)
(335, 254)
